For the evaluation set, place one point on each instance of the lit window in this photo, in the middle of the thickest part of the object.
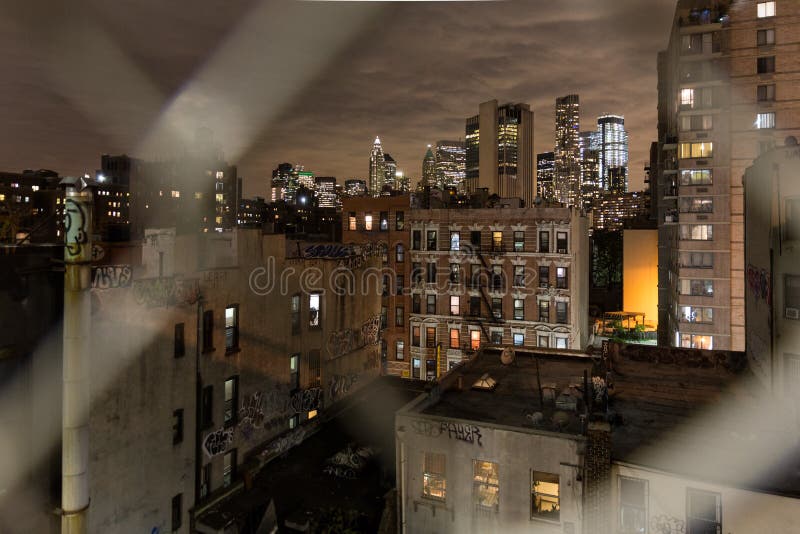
(519, 309)
(415, 336)
(455, 335)
(368, 222)
(545, 501)
(497, 241)
(474, 339)
(697, 232)
(198, 195)
(703, 510)
(384, 222)
(232, 327)
(694, 341)
(455, 240)
(766, 9)
(519, 241)
(694, 314)
(696, 150)
(231, 400)
(351, 221)
(696, 288)
(399, 350)
(519, 339)
(632, 505)
(434, 484)
(431, 241)
(765, 120)
(294, 372)
(399, 253)
(696, 177)
(687, 97)
(313, 310)
(561, 278)
(430, 337)
(485, 485)
(455, 305)
(176, 194)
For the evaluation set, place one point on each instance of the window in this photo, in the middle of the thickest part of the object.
(544, 311)
(430, 305)
(475, 238)
(687, 97)
(765, 65)
(415, 303)
(455, 241)
(485, 485)
(698, 260)
(431, 241)
(519, 309)
(697, 232)
(228, 468)
(791, 292)
(766, 93)
(694, 341)
(295, 311)
(561, 342)
(544, 275)
(561, 312)
(180, 345)
(416, 272)
(497, 241)
(697, 205)
(384, 317)
(475, 306)
(765, 120)
(474, 276)
(384, 221)
(399, 282)
(497, 277)
(455, 273)
(368, 221)
(177, 515)
(693, 123)
(314, 369)
(294, 420)
(632, 505)
(313, 310)
(455, 335)
(561, 277)
(519, 276)
(703, 512)
(694, 314)
(399, 253)
(416, 240)
(765, 9)
(497, 308)
(232, 328)
(434, 484)
(765, 37)
(207, 407)
(399, 220)
(519, 241)
(399, 316)
(177, 426)
(697, 288)
(415, 333)
(455, 305)
(475, 339)
(205, 480)
(351, 221)
(544, 341)
(430, 337)
(415, 368)
(696, 177)
(561, 242)
(399, 349)
(294, 372)
(792, 226)
(231, 400)
(519, 339)
(545, 502)
(496, 335)
(696, 150)
(208, 331)
(431, 273)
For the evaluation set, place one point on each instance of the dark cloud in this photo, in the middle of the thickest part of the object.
(313, 83)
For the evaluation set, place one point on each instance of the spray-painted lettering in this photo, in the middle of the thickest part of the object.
(111, 276)
(217, 442)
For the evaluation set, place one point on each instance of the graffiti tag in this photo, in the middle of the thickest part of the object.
(461, 432)
(217, 442)
(111, 276)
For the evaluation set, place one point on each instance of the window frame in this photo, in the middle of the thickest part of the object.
(533, 481)
(430, 475)
(479, 482)
(689, 510)
(430, 304)
(519, 309)
(230, 412)
(643, 509)
(294, 313)
(399, 316)
(232, 331)
(229, 460)
(766, 9)
(455, 305)
(315, 322)
(399, 350)
(457, 332)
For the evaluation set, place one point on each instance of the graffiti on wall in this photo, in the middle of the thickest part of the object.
(76, 228)
(340, 385)
(344, 341)
(155, 292)
(111, 276)
(285, 442)
(349, 462)
(305, 400)
(251, 415)
(458, 431)
(217, 442)
(758, 281)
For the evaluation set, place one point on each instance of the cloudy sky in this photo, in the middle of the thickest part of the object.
(311, 82)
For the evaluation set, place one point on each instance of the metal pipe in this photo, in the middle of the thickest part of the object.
(78, 205)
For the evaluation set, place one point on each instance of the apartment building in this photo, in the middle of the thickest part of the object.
(728, 91)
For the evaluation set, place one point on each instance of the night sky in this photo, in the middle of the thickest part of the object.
(311, 82)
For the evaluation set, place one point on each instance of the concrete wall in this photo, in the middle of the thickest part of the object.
(517, 452)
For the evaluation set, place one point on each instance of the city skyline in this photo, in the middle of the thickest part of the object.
(346, 101)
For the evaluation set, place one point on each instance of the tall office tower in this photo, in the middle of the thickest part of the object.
(325, 191)
(402, 182)
(305, 178)
(389, 171)
(429, 169)
(499, 151)
(545, 174)
(613, 152)
(591, 188)
(377, 169)
(727, 92)
(355, 188)
(450, 164)
(567, 150)
(280, 180)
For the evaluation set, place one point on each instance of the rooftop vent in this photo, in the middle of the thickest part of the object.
(485, 383)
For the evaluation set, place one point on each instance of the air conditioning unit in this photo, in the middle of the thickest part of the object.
(792, 313)
(562, 251)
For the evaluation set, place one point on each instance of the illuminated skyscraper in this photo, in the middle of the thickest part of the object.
(567, 150)
(280, 181)
(325, 192)
(429, 169)
(613, 153)
(590, 184)
(355, 188)
(377, 169)
(389, 171)
(545, 172)
(499, 151)
(450, 164)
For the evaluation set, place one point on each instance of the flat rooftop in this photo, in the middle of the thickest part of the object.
(696, 418)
